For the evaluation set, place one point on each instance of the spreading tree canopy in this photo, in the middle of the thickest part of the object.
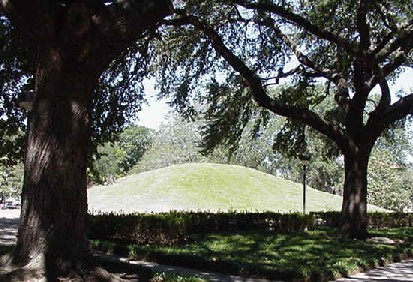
(72, 55)
(231, 53)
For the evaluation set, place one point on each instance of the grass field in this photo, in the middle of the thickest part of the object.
(206, 187)
(317, 255)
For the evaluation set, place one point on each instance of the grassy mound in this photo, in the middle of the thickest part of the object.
(206, 187)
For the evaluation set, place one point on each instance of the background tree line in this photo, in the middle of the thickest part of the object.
(179, 140)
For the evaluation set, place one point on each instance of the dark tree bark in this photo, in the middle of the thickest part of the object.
(354, 207)
(52, 229)
(70, 46)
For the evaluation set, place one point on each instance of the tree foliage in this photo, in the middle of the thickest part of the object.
(354, 46)
(11, 180)
(116, 158)
(117, 97)
(14, 74)
(175, 142)
(84, 66)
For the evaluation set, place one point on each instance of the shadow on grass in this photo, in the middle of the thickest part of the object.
(314, 255)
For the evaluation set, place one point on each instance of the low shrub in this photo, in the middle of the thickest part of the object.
(376, 220)
(178, 227)
(174, 227)
(390, 220)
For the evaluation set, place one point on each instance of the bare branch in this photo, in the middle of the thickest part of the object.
(299, 21)
(398, 61)
(403, 41)
(399, 110)
(301, 57)
(259, 93)
(282, 74)
(362, 26)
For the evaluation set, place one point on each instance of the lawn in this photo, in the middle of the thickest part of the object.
(207, 187)
(313, 255)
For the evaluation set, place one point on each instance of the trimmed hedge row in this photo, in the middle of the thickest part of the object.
(376, 220)
(174, 227)
(169, 228)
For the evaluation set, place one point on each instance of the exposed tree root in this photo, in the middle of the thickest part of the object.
(34, 273)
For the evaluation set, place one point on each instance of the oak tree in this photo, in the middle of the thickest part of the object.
(243, 47)
(68, 47)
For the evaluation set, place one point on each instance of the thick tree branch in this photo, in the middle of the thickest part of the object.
(301, 57)
(131, 17)
(362, 68)
(98, 26)
(396, 62)
(362, 26)
(259, 93)
(403, 41)
(385, 91)
(399, 110)
(300, 22)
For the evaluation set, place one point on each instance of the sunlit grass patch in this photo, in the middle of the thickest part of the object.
(313, 255)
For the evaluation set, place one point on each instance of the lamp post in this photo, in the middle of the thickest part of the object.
(304, 158)
(3, 196)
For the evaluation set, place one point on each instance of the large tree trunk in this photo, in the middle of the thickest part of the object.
(354, 208)
(54, 202)
(70, 44)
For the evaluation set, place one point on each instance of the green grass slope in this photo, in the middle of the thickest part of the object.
(206, 187)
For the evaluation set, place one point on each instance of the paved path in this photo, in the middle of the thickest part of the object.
(213, 277)
(9, 221)
(396, 272)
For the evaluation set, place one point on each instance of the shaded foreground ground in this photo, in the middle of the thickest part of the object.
(397, 272)
(9, 221)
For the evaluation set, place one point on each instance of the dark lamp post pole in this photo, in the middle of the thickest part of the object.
(304, 160)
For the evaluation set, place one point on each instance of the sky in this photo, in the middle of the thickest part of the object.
(154, 113)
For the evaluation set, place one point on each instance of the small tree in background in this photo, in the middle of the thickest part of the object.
(176, 142)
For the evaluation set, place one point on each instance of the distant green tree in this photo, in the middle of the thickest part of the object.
(383, 179)
(116, 158)
(389, 174)
(108, 162)
(134, 141)
(176, 142)
(11, 180)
